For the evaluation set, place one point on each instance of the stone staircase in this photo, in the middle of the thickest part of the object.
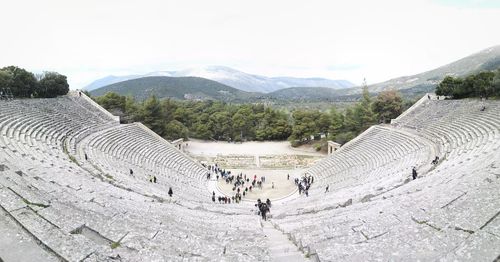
(280, 247)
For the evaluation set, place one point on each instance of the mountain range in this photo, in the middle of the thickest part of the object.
(226, 84)
(231, 77)
(182, 88)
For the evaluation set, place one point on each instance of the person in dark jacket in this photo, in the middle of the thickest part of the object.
(414, 173)
(170, 192)
(263, 210)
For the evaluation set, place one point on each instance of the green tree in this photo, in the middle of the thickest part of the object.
(6, 79)
(324, 122)
(131, 110)
(113, 102)
(242, 124)
(336, 123)
(272, 125)
(23, 83)
(496, 83)
(169, 108)
(363, 111)
(151, 114)
(483, 84)
(52, 84)
(220, 125)
(388, 105)
(448, 86)
(175, 130)
(304, 125)
(351, 122)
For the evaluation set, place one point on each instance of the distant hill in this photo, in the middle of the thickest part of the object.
(308, 94)
(233, 78)
(289, 88)
(184, 88)
(488, 59)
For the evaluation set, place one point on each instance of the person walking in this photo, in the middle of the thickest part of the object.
(170, 192)
(268, 202)
(263, 211)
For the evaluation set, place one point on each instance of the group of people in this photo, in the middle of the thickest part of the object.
(219, 172)
(236, 199)
(241, 183)
(152, 179)
(304, 184)
(263, 208)
(414, 173)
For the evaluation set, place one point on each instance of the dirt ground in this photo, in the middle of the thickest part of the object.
(210, 148)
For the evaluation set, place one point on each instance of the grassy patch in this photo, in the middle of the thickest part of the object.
(73, 159)
(115, 245)
(35, 204)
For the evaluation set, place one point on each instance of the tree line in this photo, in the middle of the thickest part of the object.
(484, 84)
(23, 83)
(214, 120)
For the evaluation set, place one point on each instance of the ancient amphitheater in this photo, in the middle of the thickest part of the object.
(66, 192)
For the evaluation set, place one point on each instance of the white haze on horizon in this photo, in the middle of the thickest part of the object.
(350, 40)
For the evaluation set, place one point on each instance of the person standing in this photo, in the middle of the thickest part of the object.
(170, 192)
(414, 173)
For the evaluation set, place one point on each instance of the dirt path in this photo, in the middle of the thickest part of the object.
(209, 148)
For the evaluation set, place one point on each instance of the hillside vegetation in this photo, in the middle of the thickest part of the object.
(18, 82)
(217, 120)
(188, 88)
(484, 84)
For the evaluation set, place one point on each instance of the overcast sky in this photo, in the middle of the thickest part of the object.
(89, 39)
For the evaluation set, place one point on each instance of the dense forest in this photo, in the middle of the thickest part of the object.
(484, 84)
(216, 120)
(19, 83)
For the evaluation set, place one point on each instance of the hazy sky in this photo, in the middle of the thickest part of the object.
(89, 39)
